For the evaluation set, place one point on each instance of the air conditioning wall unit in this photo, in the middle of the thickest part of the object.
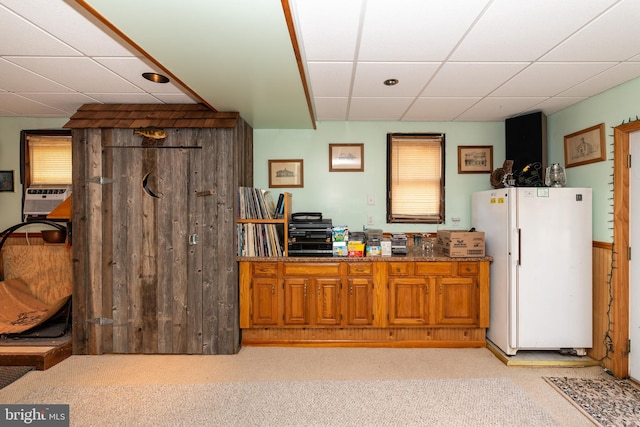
(41, 200)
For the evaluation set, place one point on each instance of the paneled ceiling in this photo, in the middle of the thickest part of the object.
(455, 60)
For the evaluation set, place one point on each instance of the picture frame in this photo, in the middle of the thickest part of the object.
(585, 146)
(346, 157)
(6, 181)
(287, 173)
(475, 159)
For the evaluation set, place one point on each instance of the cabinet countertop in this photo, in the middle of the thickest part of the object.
(399, 258)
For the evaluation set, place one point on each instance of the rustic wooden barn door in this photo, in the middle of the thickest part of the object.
(151, 228)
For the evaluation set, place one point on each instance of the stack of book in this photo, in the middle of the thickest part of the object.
(259, 238)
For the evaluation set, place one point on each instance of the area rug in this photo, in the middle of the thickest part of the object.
(9, 374)
(606, 401)
(429, 402)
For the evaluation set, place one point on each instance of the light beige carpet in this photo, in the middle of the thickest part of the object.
(437, 402)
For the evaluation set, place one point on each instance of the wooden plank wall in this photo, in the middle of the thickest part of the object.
(602, 304)
(158, 306)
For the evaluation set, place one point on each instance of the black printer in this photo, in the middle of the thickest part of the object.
(310, 235)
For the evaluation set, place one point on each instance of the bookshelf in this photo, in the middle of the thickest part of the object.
(257, 235)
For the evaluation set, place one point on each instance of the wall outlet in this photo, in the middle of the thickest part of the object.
(455, 221)
(371, 199)
(369, 219)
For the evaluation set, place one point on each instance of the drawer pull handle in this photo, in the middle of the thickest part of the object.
(273, 290)
(350, 289)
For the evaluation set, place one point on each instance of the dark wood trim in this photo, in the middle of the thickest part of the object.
(603, 245)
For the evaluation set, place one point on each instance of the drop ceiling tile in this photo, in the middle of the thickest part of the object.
(607, 38)
(17, 79)
(494, 109)
(438, 109)
(67, 102)
(471, 78)
(314, 18)
(549, 79)
(131, 69)
(331, 108)
(415, 30)
(330, 79)
(73, 25)
(175, 98)
(390, 109)
(412, 77)
(555, 104)
(525, 30)
(80, 74)
(20, 106)
(608, 79)
(20, 37)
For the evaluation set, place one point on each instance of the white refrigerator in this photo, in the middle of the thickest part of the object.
(540, 239)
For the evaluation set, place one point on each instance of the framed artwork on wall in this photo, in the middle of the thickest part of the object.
(286, 173)
(475, 159)
(6, 181)
(346, 157)
(585, 146)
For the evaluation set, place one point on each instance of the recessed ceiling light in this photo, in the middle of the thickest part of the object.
(391, 82)
(155, 77)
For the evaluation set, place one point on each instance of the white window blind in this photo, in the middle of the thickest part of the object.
(416, 178)
(50, 160)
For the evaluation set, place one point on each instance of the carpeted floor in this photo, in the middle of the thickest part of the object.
(9, 374)
(409, 402)
(606, 401)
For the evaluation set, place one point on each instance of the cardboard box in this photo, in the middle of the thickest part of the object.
(340, 249)
(356, 249)
(456, 243)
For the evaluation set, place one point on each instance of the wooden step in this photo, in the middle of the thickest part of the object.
(41, 356)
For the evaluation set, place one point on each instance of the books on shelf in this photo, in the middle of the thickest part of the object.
(262, 238)
(259, 239)
(255, 203)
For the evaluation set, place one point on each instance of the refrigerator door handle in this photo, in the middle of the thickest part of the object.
(519, 246)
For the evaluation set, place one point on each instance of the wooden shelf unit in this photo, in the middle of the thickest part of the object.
(284, 221)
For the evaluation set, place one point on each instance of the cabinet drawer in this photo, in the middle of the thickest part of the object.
(360, 268)
(400, 268)
(434, 267)
(264, 268)
(468, 268)
(308, 269)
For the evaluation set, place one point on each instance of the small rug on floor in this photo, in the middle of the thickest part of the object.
(9, 374)
(424, 402)
(606, 401)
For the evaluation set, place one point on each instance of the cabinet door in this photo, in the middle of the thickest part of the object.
(264, 301)
(457, 301)
(327, 301)
(296, 305)
(408, 301)
(360, 301)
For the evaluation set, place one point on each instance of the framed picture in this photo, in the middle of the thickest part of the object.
(6, 181)
(475, 159)
(346, 157)
(585, 146)
(286, 173)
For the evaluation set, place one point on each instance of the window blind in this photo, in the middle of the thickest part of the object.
(50, 160)
(416, 183)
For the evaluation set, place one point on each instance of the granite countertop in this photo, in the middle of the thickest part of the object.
(409, 257)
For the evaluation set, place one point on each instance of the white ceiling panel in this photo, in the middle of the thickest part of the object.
(330, 79)
(610, 37)
(81, 74)
(316, 17)
(549, 79)
(412, 77)
(67, 102)
(124, 98)
(332, 108)
(20, 37)
(438, 109)
(606, 80)
(415, 30)
(471, 79)
(555, 104)
(518, 30)
(378, 108)
(131, 69)
(495, 109)
(17, 79)
(20, 106)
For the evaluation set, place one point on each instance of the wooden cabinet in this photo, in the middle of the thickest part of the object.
(383, 302)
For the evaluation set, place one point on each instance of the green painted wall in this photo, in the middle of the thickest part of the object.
(342, 196)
